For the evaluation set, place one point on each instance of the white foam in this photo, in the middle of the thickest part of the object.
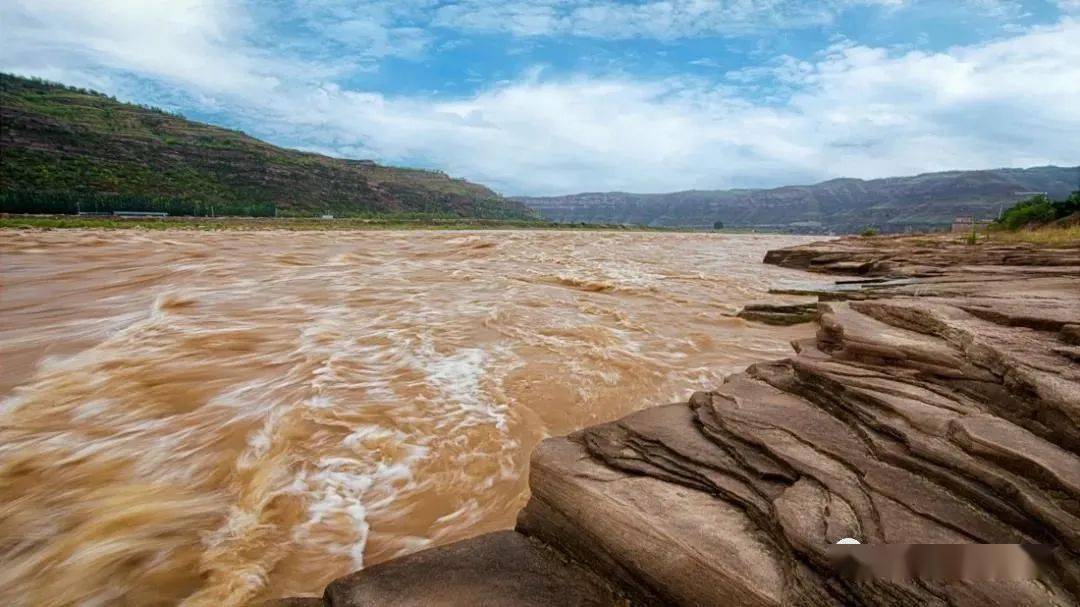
(357, 485)
(458, 377)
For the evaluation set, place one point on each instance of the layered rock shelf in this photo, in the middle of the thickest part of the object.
(938, 404)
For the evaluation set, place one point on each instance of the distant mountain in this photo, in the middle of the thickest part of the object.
(895, 204)
(60, 144)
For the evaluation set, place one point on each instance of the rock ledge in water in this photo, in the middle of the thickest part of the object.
(779, 314)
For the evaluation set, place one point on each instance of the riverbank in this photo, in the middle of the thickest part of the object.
(938, 404)
(301, 224)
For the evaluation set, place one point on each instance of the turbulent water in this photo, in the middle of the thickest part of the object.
(217, 418)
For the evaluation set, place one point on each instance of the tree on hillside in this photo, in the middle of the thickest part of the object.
(1037, 210)
(1064, 208)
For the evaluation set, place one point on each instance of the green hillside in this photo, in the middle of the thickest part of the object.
(64, 149)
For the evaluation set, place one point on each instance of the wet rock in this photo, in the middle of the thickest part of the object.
(500, 569)
(296, 602)
(1070, 334)
(779, 314)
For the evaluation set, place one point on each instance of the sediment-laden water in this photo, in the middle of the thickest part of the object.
(223, 417)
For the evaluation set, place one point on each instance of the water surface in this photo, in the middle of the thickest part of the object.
(228, 416)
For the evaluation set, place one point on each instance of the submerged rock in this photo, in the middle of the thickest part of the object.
(779, 314)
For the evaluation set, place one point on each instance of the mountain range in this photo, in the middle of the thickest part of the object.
(896, 204)
(60, 144)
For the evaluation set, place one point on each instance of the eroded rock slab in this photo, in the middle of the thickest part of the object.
(938, 406)
(662, 542)
(877, 432)
(926, 256)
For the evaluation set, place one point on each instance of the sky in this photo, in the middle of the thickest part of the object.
(562, 96)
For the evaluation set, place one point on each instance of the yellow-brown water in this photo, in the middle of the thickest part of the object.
(218, 418)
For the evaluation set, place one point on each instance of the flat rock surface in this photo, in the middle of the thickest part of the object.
(906, 256)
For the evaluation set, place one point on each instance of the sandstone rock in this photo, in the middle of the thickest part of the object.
(296, 602)
(662, 542)
(924, 256)
(907, 422)
(500, 569)
(938, 406)
(1070, 334)
(779, 314)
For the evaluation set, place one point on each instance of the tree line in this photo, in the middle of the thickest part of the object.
(1038, 210)
(71, 203)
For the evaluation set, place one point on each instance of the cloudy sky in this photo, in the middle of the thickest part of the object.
(562, 96)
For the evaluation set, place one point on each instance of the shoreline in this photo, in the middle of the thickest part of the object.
(313, 224)
(938, 403)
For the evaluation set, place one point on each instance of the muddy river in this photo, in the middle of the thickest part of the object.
(215, 418)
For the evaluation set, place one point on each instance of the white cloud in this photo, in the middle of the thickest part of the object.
(997, 9)
(219, 46)
(856, 111)
(377, 40)
(852, 111)
(705, 62)
(188, 41)
(661, 19)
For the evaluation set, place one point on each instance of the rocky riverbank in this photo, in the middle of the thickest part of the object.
(938, 404)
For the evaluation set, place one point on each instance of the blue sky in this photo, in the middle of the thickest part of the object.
(561, 96)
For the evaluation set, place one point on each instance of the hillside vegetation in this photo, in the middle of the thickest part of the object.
(1039, 220)
(898, 204)
(64, 149)
(1038, 210)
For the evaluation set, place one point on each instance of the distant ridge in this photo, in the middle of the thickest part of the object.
(895, 204)
(60, 144)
